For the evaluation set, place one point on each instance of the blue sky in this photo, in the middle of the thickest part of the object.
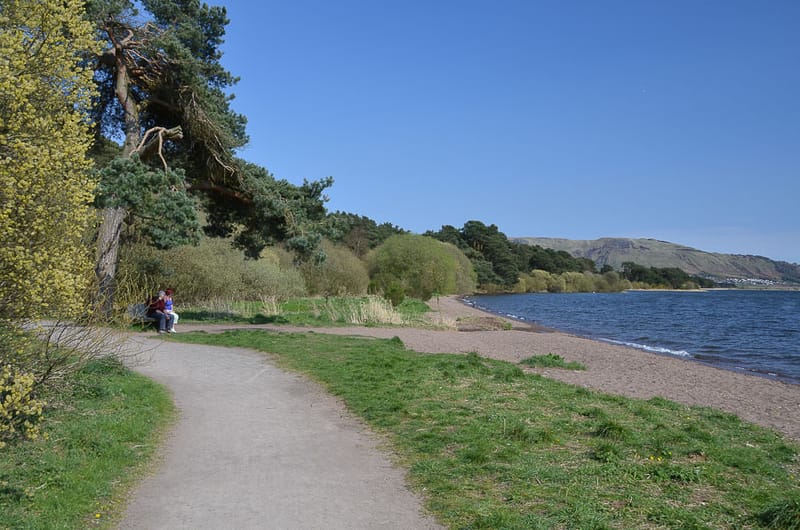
(677, 120)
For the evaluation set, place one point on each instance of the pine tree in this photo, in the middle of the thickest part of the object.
(163, 91)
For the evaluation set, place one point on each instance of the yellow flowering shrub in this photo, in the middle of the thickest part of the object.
(46, 188)
(20, 412)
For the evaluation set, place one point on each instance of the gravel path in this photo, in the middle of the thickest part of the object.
(256, 447)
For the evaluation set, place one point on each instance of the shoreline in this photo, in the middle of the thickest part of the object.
(631, 372)
(667, 353)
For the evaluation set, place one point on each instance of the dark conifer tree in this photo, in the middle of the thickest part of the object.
(164, 96)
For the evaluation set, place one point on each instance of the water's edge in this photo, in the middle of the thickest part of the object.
(716, 362)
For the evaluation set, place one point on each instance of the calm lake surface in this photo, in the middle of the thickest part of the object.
(757, 332)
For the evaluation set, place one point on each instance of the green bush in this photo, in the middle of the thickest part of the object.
(556, 284)
(341, 274)
(466, 277)
(535, 282)
(539, 281)
(416, 266)
(394, 292)
(579, 282)
(211, 270)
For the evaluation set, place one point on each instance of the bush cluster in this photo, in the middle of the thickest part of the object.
(211, 270)
(342, 273)
(539, 281)
(403, 265)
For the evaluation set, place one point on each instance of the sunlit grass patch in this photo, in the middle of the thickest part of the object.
(492, 447)
(551, 360)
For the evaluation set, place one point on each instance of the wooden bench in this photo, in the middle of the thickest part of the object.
(138, 313)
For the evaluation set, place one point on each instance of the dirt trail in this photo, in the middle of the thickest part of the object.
(256, 447)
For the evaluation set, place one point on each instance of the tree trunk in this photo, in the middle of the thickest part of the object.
(113, 218)
(107, 254)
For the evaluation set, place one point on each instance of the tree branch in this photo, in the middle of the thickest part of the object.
(207, 186)
(149, 145)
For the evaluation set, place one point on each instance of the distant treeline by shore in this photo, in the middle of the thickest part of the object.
(503, 265)
(506, 265)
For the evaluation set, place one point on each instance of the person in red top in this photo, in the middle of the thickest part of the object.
(155, 309)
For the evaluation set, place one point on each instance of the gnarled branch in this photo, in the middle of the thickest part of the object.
(153, 141)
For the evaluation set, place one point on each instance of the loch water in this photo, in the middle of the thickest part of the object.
(756, 332)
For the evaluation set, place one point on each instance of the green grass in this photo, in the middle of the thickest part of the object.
(323, 312)
(491, 447)
(551, 360)
(100, 434)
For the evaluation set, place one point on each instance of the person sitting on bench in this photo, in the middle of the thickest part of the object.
(169, 310)
(155, 309)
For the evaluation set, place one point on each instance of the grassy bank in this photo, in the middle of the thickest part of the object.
(99, 434)
(318, 311)
(491, 447)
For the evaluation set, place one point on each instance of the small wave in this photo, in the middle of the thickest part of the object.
(499, 313)
(653, 349)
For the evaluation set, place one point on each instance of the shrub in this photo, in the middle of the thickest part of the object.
(341, 274)
(261, 278)
(394, 292)
(416, 266)
(45, 186)
(535, 282)
(539, 281)
(556, 284)
(211, 270)
(579, 282)
(466, 277)
(20, 412)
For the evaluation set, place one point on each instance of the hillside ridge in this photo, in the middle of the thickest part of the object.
(614, 251)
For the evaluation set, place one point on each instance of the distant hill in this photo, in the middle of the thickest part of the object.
(614, 251)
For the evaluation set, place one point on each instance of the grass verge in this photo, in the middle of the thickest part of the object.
(99, 435)
(492, 447)
(551, 360)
